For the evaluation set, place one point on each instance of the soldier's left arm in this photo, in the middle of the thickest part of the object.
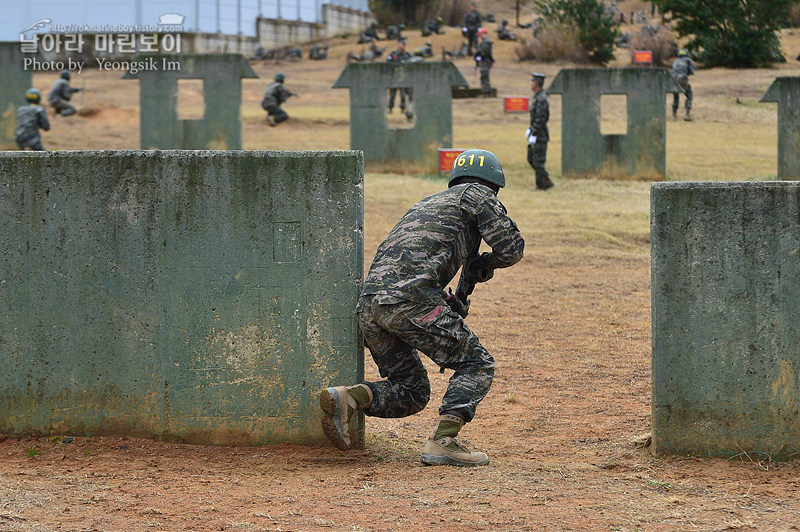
(500, 232)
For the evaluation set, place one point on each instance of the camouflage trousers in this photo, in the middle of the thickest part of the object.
(686, 87)
(537, 157)
(395, 331)
(486, 85)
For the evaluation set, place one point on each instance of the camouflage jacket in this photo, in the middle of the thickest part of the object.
(484, 55)
(472, 20)
(683, 67)
(540, 114)
(275, 94)
(29, 119)
(429, 244)
(60, 91)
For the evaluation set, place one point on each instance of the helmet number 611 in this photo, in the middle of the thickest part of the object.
(463, 160)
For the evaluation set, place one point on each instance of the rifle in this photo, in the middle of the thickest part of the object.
(470, 276)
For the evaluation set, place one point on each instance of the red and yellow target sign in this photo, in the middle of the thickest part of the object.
(515, 104)
(447, 156)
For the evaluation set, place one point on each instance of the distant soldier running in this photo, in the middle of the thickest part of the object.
(404, 307)
(31, 117)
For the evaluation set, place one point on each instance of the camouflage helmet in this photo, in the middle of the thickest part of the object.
(33, 95)
(65, 74)
(480, 164)
(683, 52)
(280, 76)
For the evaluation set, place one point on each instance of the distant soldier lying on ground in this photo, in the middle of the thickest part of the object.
(370, 55)
(318, 52)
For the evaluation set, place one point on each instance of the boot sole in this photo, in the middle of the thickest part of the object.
(331, 427)
(431, 459)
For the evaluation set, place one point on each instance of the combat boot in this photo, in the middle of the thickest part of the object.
(271, 121)
(674, 115)
(688, 116)
(442, 448)
(339, 404)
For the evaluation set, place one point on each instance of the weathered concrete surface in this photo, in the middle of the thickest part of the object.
(221, 125)
(642, 152)
(15, 82)
(725, 329)
(786, 92)
(431, 85)
(198, 296)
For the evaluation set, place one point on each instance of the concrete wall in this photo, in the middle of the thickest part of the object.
(785, 91)
(271, 34)
(221, 125)
(193, 296)
(431, 84)
(15, 82)
(725, 330)
(642, 152)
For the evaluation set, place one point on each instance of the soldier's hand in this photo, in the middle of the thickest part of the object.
(479, 270)
(458, 306)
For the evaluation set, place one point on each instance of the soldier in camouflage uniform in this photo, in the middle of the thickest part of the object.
(60, 94)
(682, 68)
(30, 118)
(404, 308)
(401, 55)
(472, 21)
(538, 134)
(274, 96)
(485, 61)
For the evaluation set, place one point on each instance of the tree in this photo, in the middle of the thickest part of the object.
(731, 33)
(596, 28)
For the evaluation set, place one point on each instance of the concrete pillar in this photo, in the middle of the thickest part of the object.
(725, 330)
(431, 84)
(641, 153)
(15, 82)
(194, 296)
(221, 125)
(785, 91)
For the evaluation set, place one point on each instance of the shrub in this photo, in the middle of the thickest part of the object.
(552, 43)
(731, 34)
(595, 26)
(794, 16)
(658, 39)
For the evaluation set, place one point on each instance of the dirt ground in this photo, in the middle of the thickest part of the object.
(564, 424)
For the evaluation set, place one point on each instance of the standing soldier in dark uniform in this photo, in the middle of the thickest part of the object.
(60, 94)
(30, 118)
(472, 21)
(404, 307)
(401, 56)
(485, 61)
(274, 96)
(538, 134)
(682, 68)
